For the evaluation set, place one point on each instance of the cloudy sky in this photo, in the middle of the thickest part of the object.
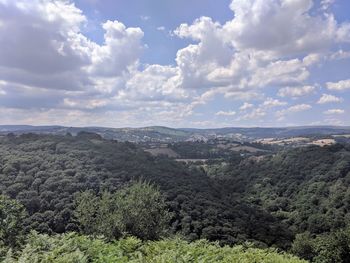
(179, 63)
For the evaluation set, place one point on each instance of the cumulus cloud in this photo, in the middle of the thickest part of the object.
(340, 54)
(270, 103)
(157, 83)
(343, 33)
(197, 61)
(281, 27)
(282, 72)
(296, 91)
(253, 49)
(299, 107)
(47, 62)
(42, 46)
(49, 65)
(231, 93)
(294, 109)
(225, 113)
(251, 113)
(334, 111)
(121, 49)
(327, 98)
(246, 106)
(340, 85)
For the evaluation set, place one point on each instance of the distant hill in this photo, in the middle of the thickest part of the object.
(165, 134)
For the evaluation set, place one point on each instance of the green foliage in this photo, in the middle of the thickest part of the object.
(138, 210)
(306, 188)
(143, 211)
(44, 173)
(12, 215)
(69, 248)
(326, 248)
(263, 200)
(303, 246)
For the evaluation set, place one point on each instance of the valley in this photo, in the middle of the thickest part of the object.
(220, 190)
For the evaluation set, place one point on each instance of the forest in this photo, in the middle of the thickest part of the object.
(111, 196)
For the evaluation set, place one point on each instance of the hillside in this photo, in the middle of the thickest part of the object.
(44, 173)
(306, 188)
(265, 200)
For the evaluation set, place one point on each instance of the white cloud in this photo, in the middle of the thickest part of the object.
(84, 104)
(197, 62)
(296, 91)
(340, 54)
(225, 113)
(232, 94)
(44, 38)
(340, 85)
(155, 83)
(281, 72)
(261, 110)
(299, 107)
(343, 33)
(294, 109)
(47, 49)
(246, 106)
(334, 111)
(254, 49)
(327, 98)
(281, 27)
(257, 113)
(312, 59)
(49, 65)
(270, 103)
(122, 49)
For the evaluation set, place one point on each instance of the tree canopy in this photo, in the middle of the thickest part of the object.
(97, 187)
(138, 210)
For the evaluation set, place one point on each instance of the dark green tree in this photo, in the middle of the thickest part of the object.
(12, 215)
(137, 210)
(303, 246)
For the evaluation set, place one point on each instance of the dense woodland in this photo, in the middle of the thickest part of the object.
(305, 188)
(297, 200)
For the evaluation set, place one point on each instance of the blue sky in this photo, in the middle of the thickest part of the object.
(198, 63)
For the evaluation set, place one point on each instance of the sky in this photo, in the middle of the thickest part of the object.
(176, 63)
